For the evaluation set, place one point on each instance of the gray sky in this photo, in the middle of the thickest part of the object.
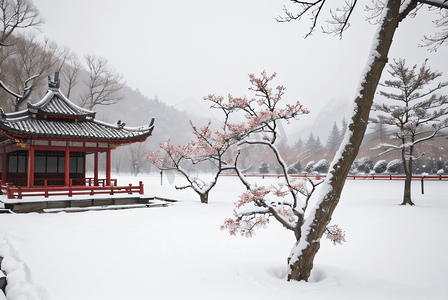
(181, 49)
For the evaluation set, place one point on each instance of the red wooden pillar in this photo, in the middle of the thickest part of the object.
(108, 162)
(30, 181)
(95, 170)
(4, 166)
(67, 167)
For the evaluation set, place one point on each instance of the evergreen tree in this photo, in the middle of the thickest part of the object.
(412, 106)
(343, 129)
(380, 131)
(298, 146)
(334, 138)
(318, 146)
(264, 168)
(310, 144)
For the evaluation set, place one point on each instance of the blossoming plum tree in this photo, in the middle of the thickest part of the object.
(208, 146)
(288, 201)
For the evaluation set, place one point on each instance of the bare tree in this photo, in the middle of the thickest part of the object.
(117, 162)
(388, 14)
(137, 157)
(70, 71)
(17, 14)
(411, 111)
(103, 86)
(32, 57)
(441, 37)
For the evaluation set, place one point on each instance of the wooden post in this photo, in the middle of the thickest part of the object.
(4, 166)
(30, 179)
(9, 192)
(95, 170)
(67, 167)
(70, 190)
(46, 188)
(141, 187)
(108, 162)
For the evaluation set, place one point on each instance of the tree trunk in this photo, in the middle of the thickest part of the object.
(204, 197)
(302, 255)
(407, 183)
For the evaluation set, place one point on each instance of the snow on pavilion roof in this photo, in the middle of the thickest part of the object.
(62, 119)
(55, 103)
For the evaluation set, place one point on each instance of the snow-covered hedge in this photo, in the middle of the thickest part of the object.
(395, 166)
(322, 166)
(365, 165)
(380, 166)
(309, 167)
(295, 168)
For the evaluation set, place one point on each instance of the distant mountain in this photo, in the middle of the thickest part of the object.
(199, 112)
(137, 109)
(334, 110)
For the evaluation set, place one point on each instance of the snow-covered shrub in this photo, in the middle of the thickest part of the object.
(322, 166)
(365, 165)
(309, 167)
(416, 167)
(429, 166)
(380, 166)
(264, 168)
(295, 168)
(278, 169)
(395, 166)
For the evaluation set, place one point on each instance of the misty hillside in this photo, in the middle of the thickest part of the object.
(334, 110)
(137, 110)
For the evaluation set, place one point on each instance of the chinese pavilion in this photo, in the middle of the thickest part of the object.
(47, 143)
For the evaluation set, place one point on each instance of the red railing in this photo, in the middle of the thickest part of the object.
(18, 192)
(365, 177)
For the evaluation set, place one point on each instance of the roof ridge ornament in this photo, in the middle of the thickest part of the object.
(120, 124)
(54, 84)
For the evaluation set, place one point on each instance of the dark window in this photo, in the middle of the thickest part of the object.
(12, 164)
(54, 162)
(80, 164)
(40, 163)
(72, 166)
(61, 164)
(17, 162)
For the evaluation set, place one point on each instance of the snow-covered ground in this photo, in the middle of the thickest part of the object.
(179, 252)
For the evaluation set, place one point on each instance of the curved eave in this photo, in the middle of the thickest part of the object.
(65, 108)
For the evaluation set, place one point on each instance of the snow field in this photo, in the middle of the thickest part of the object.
(179, 252)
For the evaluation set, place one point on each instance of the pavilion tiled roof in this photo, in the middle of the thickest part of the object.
(67, 121)
(55, 103)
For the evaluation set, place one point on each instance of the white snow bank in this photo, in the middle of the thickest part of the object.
(179, 252)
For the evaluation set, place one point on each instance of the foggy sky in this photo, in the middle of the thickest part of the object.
(181, 49)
